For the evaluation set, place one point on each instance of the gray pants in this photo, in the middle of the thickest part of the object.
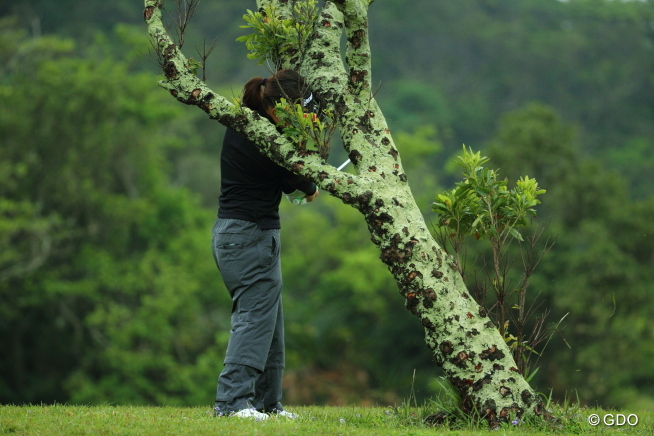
(248, 259)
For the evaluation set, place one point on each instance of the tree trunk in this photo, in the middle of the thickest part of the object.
(464, 341)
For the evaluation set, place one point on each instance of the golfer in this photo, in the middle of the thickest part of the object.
(246, 248)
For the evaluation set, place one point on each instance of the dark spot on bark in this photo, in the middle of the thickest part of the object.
(478, 367)
(372, 169)
(403, 177)
(413, 275)
(355, 157)
(397, 203)
(148, 12)
(380, 220)
(170, 71)
(482, 312)
(461, 385)
(426, 323)
(429, 294)
(411, 302)
(489, 407)
(194, 95)
(347, 199)
(491, 354)
(498, 367)
(393, 152)
(326, 23)
(514, 369)
(301, 152)
(469, 315)
(174, 93)
(526, 397)
(460, 360)
(364, 198)
(471, 333)
(357, 38)
(481, 382)
(489, 325)
(436, 274)
(168, 52)
(511, 379)
(358, 75)
(318, 56)
(323, 175)
(395, 252)
(297, 166)
(504, 413)
(504, 391)
(457, 318)
(465, 295)
(385, 141)
(446, 348)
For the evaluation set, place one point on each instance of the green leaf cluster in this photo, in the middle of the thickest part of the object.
(482, 205)
(308, 130)
(275, 33)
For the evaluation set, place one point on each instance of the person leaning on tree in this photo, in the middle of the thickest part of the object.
(246, 247)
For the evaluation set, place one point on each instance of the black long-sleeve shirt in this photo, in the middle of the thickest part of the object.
(252, 184)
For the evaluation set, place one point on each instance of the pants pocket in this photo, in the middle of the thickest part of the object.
(269, 248)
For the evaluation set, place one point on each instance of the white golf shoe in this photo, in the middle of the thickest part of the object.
(249, 414)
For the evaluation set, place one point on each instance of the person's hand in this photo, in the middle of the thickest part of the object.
(311, 197)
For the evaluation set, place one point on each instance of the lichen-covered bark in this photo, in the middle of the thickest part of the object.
(464, 341)
(462, 338)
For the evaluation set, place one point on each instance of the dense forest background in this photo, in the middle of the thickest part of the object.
(108, 192)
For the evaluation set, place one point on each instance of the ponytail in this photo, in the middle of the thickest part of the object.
(253, 93)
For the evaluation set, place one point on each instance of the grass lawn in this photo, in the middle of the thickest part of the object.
(313, 421)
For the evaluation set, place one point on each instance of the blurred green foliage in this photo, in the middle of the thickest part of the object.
(108, 191)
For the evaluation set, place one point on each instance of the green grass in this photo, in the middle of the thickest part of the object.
(313, 421)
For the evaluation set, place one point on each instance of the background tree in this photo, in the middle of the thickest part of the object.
(448, 79)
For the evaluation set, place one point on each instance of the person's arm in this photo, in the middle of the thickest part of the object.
(295, 182)
(298, 183)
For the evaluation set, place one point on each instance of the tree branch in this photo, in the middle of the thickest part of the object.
(358, 56)
(188, 89)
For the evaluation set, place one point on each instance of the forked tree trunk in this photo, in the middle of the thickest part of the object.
(464, 341)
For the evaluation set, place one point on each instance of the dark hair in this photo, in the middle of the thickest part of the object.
(260, 93)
